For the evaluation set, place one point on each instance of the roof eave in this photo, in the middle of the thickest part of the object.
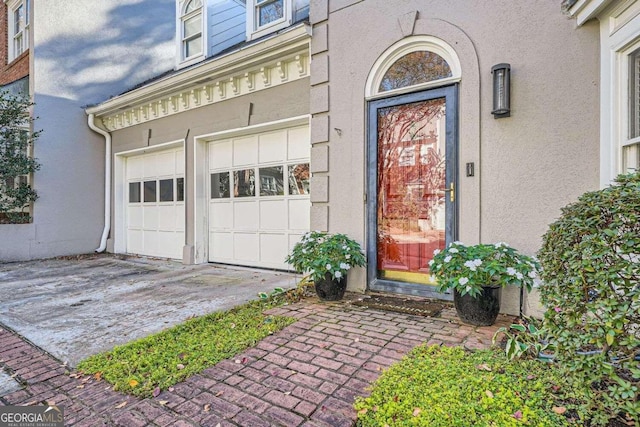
(586, 10)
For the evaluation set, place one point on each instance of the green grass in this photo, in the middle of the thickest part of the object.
(166, 358)
(441, 386)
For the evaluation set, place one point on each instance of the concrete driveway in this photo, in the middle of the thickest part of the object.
(73, 308)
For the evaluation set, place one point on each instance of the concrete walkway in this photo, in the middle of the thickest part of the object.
(80, 306)
(308, 374)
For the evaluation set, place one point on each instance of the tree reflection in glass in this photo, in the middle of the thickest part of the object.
(411, 180)
(219, 185)
(415, 68)
(244, 183)
(299, 179)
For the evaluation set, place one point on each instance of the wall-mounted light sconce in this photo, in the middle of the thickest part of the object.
(501, 90)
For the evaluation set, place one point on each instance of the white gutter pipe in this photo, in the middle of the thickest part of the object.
(107, 182)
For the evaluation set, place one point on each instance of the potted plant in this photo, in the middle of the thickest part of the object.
(477, 273)
(326, 258)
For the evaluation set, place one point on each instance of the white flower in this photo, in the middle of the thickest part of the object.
(311, 240)
(468, 289)
(348, 256)
(344, 266)
(337, 274)
(344, 247)
(453, 250)
(304, 251)
(328, 266)
(457, 243)
(501, 244)
(436, 252)
(430, 263)
(511, 271)
(477, 262)
(519, 276)
(447, 258)
(532, 274)
(470, 265)
(463, 280)
(432, 278)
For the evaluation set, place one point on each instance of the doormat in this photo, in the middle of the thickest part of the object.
(413, 306)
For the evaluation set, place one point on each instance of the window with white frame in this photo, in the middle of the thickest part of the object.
(630, 145)
(191, 30)
(18, 27)
(265, 16)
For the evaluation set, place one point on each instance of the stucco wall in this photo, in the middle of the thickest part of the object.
(84, 52)
(526, 166)
(277, 103)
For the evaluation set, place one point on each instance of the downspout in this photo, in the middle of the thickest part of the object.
(107, 182)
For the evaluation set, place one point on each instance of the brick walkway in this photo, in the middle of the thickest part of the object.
(305, 375)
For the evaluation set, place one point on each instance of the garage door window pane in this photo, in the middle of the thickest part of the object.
(134, 192)
(244, 183)
(271, 181)
(150, 191)
(166, 190)
(180, 189)
(298, 179)
(220, 185)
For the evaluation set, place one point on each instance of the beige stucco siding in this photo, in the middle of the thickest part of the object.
(277, 103)
(527, 166)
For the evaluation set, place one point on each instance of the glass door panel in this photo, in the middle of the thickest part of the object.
(411, 188)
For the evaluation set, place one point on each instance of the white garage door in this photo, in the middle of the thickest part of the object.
(259, 197)
(155, 204)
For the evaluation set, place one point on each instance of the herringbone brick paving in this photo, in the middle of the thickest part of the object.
(308, 374)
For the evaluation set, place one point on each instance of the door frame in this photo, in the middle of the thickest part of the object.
(450, 93)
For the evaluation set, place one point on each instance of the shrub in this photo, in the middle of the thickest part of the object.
(468, 269)
(15, 163)
(591, 288)
(319, 253)
(522, 340)
(448, 386)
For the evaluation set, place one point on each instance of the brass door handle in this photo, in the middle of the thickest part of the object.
(452, 192)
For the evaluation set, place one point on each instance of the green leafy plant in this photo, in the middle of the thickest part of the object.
(273, 294)
(522, 340)
(16, 164)
(154, 363)
(441, 386)
(468, 269)
(318, 253)
(591, 288)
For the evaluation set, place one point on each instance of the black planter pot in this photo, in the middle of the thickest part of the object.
(480, 311)
(330, 289)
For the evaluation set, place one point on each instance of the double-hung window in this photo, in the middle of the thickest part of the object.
(265, 16)
(18, 28)
(191, 30)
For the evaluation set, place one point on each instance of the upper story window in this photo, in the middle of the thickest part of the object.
(265, 16)
(18, 28)
(191, 30)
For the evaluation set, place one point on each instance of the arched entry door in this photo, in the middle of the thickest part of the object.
(412, 175)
